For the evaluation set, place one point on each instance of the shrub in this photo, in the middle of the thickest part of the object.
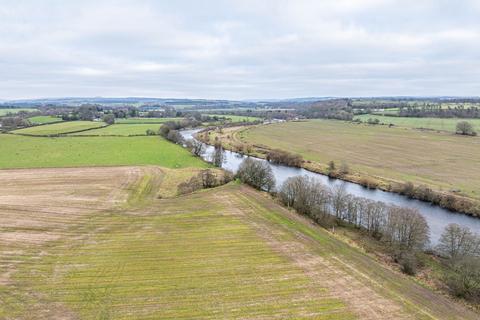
(408, 263)
(192, 185)
(205, 179)
(344, 169)
(368, 182)
(331, 166)
(284, 157)
(407, 189)
(464, 281)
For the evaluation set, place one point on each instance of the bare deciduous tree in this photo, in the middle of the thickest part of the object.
(256, 173)
(406, 229)
(457, 242)
(338, 199)
(218, 156)
(196, 147)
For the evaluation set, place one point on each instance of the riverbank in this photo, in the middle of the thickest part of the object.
(431, 269)
(233, 139)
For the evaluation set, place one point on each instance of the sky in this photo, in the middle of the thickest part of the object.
(241, 49)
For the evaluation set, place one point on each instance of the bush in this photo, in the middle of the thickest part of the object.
(284, 157)
(331, 166)
(408, 263)
(464, 281)
(408, 189)
(344, 169)
(203, 180)
(368, 182)
(150, 132)
(192, 185)
(175, 136)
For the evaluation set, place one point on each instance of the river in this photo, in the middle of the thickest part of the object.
(437, 218)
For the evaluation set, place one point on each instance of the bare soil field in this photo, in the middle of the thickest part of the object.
(116, 243)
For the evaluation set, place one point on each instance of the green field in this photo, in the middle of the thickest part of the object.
(425, 123)
(441, 160)
(74, 250)
(121, 129)
(44, 119)
(235, 118)
(60, 128)
(33, 152)
(146, 120)
(5, 111)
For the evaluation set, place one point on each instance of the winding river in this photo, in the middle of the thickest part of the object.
(437, 217)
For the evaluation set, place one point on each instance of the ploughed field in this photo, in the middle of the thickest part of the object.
(116, 243)
(443, 160)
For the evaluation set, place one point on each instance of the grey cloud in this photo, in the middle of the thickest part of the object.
(239, 49)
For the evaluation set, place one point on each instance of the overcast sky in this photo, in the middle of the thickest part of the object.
(239, 49)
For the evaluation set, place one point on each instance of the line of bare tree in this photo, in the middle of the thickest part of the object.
(438, 111)
(404, 230)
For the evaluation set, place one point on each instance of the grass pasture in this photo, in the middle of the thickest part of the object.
(235, 118)
(447, 124)
(226, 253)
(38, 152)
(442, 160)
(60, 128)
(145, 120)
(44, 119)
(121, 130)
(6, 111)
